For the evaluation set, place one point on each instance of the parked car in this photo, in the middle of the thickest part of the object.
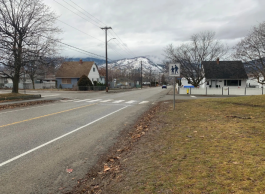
(164, 86)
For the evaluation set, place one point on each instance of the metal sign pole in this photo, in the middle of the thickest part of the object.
(174, 92)
(174, 71)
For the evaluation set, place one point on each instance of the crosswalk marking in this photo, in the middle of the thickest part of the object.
(94, 100)
(67, 100)
(51, 95)
(131, 101)
(143, 102)
(118, 101)
(82, 100)
(106, 100)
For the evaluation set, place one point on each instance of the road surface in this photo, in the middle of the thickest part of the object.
(39, 143)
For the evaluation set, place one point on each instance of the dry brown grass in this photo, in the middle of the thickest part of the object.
(204, 146)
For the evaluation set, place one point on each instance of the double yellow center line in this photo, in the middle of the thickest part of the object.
(47, 115)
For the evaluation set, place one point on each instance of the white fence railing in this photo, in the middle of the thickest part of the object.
(221, 91)
(30, 85)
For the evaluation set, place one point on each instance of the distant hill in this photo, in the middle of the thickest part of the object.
(128, 63)
(97, 61)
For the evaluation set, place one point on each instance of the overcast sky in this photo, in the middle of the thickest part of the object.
(146, 27)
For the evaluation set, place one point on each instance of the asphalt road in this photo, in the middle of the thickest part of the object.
(39, 143)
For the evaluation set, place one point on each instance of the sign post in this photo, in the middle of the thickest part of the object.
(174, 71)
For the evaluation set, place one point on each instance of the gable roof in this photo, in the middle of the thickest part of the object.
(224, 70)
(74, 69)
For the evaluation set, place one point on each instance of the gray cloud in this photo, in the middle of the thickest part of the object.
(147, 26)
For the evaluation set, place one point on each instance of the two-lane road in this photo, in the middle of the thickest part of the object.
(39, 143)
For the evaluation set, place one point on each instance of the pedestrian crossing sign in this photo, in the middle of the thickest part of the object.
(174, 70)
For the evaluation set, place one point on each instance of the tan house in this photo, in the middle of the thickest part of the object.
(69, 73)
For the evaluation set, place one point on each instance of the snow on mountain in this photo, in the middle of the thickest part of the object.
(135, 63)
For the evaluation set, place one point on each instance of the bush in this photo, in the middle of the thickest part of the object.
(84, 82)
(95, 83)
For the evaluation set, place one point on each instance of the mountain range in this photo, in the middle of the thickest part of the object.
(128, 63)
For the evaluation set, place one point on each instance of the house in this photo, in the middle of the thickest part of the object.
(69, 73)
(224, 74)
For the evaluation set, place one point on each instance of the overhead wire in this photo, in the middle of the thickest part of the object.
(120, 44)
(74, 47)
(89, 13)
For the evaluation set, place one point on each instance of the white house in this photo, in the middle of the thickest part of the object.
(220, 74)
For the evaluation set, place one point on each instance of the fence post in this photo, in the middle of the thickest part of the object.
(206, 90)
(262, 90)
(190, 91)
(222, 91)
(178, 90)
(228, 91)
(245, 90)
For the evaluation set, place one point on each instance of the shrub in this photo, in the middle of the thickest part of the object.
(84, 82)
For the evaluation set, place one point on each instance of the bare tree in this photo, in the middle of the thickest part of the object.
(202, 47)
(26, 30)
(42, 67)
(251, 50)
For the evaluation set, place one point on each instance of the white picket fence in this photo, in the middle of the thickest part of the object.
(221, 91)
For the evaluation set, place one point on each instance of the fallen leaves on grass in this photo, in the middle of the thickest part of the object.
(69, 170)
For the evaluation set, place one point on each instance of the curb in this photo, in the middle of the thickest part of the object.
(22, 97)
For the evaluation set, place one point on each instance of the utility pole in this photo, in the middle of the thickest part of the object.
(150, 78)
(107, 81)
(141, 75)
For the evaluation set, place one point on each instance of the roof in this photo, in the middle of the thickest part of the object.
(74, 69)
(224, 70)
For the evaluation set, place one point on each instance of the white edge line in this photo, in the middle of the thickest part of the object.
(49, 142)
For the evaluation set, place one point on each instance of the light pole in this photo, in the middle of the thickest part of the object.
(106, 42)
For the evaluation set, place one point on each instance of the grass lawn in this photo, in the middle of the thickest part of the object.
(7, 95)
(204, 146)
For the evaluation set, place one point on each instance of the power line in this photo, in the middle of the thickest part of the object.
(79, 30)
(120, 42)
(82, 18)
(75, 13)
(89, 13)
(74, 47)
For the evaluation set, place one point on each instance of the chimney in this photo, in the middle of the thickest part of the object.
(217, 60)
(80, 61)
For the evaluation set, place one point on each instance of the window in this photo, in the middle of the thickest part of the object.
(94, 69)
(232, 82)
(66, 80)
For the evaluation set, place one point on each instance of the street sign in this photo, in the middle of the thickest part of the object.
(174, 70)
